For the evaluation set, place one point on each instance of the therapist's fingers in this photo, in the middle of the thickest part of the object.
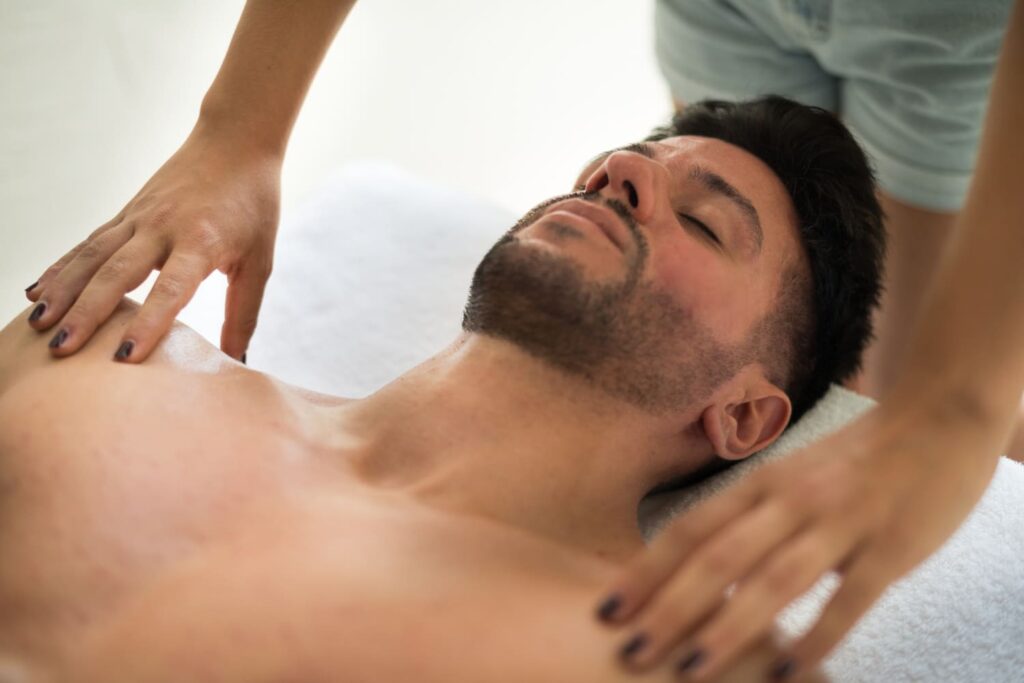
(35, 291)
(65, 281)
(863, 582)
(242, 307)
(179, 279)
(698, 586)
(125, 270)
(645, 574)
(750, 612)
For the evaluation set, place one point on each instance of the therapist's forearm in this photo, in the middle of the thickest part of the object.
(969, 343)
(275, 52)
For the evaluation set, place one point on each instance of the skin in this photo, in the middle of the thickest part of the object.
(488, 487)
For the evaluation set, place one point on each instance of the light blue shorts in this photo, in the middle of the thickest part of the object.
(909, 78)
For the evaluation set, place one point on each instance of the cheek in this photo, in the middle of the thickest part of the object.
(704, 285)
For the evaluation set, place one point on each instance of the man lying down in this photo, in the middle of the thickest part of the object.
(190, 519)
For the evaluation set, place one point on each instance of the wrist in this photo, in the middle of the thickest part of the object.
(943, 404)
(239, 135)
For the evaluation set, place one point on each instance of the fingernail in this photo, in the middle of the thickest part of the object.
(691, 661)
(37, 313)
(634, 645)
(124, 350)
(32, 286)
(609, 607)
(243, 358)
(59, 339)
(783, 670)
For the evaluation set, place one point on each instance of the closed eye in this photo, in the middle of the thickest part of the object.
(708, 231)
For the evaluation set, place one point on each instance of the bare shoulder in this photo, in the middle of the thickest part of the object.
(24, 351)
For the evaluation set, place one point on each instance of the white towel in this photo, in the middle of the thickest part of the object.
(370, 279)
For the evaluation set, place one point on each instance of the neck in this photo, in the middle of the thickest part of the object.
(485, 429)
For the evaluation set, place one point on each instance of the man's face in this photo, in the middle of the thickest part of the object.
(621, 283)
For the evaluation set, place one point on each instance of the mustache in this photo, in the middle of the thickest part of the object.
(620, 210)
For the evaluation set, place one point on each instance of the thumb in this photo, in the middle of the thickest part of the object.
(242, 308)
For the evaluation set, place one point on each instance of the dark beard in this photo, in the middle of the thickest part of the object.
(632, 342)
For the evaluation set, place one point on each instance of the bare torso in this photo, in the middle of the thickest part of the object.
(183, 520)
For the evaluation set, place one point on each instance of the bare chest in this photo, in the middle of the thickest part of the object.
(351, 589)
(106, 482)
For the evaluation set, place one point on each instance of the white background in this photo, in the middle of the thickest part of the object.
(504, 100)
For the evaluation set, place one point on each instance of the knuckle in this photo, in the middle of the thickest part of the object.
(90, 251)
(716, 560)
(162, 216)
(795, 502)
(169, 287)
(205, 236)
(101, 230)
(114, 270)
(50, 274)
(778, 578)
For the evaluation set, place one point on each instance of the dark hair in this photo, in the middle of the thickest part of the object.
(818, 330)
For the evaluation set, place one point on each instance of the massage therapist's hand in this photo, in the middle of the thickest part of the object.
(212, 205)
(869, 502)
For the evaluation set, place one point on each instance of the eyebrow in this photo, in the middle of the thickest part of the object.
(720, 186)
(711, 182)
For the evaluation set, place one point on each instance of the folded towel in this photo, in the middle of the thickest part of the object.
(370, 279)
(835, 409)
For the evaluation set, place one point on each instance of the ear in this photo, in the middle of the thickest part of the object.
(748, 420)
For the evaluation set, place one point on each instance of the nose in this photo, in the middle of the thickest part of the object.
(632, 179)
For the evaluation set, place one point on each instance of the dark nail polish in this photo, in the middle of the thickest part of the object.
(32, 286)
(783, 670)
(634, 645)
(124, 350)
(609, 607)
(243, 358)
(691, 660)
(37, 313)
(59, 339)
